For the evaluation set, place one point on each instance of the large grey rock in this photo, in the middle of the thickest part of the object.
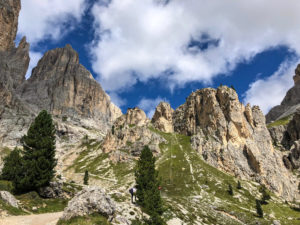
(234, 138)
(88, 201)
(54, 190)
(61, 85)
(290, 103)
(9, 13)
(9, 199)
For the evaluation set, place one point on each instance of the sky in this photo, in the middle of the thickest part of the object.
(143, 52)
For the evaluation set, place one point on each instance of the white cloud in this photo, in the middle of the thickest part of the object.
(48, 19)
(149, 105)
(148, 38)
(34, 58)
(270, 92)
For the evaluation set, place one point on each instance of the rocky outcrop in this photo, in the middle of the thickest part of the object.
(163, 118)
(9, 15)
(54, 190)
(233, 138)
(129, 134)
(61, 85)
(88, 201)
(292, 133)
(290, 103)
(9, 199)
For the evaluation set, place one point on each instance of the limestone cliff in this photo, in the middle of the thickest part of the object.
(233, 138)
(61, 85)
(129, 134)
(163, 118)
(290, 103)
(9, 13)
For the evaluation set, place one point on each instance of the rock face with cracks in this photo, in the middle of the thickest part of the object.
(9, 199)
(163, 118)
(234, 138)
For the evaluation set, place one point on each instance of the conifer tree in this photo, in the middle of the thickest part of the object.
(39, 153)
(230, 190)
(239, 186)
(259, 209)
(86, 178)
(12, 164)
(265, 195)
(147, 181)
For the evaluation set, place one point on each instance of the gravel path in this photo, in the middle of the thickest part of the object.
(40, 219)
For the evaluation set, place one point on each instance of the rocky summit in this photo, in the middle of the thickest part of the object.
(215, 157)
(290, 103)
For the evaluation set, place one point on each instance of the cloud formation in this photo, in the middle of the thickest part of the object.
(48, 19)
(270, 91)
(185, 41)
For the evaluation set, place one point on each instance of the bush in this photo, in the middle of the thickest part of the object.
(239, 186)
(10, 167)
(259, 209)
(230, 190)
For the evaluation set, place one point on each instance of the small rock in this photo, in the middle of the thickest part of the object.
(276, 222)
(9, 199)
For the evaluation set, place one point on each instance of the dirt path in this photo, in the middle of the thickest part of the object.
(41, 219)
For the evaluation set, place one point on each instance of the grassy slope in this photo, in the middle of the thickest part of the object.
(193, 190)
(282, 121)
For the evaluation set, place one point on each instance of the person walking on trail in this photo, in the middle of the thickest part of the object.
(132, 191)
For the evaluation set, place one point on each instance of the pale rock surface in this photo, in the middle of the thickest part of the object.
(290, 103)
(130, 133)
(234, 138)
(9, 199)
(163, 118)
(9, 13)
(88, 201)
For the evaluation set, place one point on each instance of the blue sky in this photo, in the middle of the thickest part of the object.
(146, 51)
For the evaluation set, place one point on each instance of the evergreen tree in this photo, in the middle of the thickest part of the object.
(147, 182)
(12, 164)
(39, 153)
(265, 195)
(230, 190)
(86, 178)
(113, 130)
(239, 186)
(259, 209)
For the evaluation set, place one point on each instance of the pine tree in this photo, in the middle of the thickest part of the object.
(230, 190)
(12, 164)
(265, 195)
(147, 182)
(86, 178)
(239, 186)
(39, 153)
(259, 209)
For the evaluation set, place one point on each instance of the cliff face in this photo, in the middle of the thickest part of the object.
(61, 85)
(290, 103)
(163, 117)
(233, 138)
(9, 13)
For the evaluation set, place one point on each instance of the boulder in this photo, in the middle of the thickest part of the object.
(54, 190)
(9, 199)
(88, 201)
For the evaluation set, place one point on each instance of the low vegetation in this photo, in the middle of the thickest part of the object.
(282, 121)
(94, 219)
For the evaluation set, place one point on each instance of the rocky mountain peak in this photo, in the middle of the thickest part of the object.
(297, 75)
(62, 60)
(290, 103)
(134, 116)
(163, 117)
(9, 13)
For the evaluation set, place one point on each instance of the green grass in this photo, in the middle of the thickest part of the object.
(94, 219)
(282, 121)
(32, 199)
(181, 187)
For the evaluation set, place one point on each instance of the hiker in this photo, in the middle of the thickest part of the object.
(132, 191)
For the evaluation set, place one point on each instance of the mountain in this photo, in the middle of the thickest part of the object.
(209, 142)
(290, 103)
